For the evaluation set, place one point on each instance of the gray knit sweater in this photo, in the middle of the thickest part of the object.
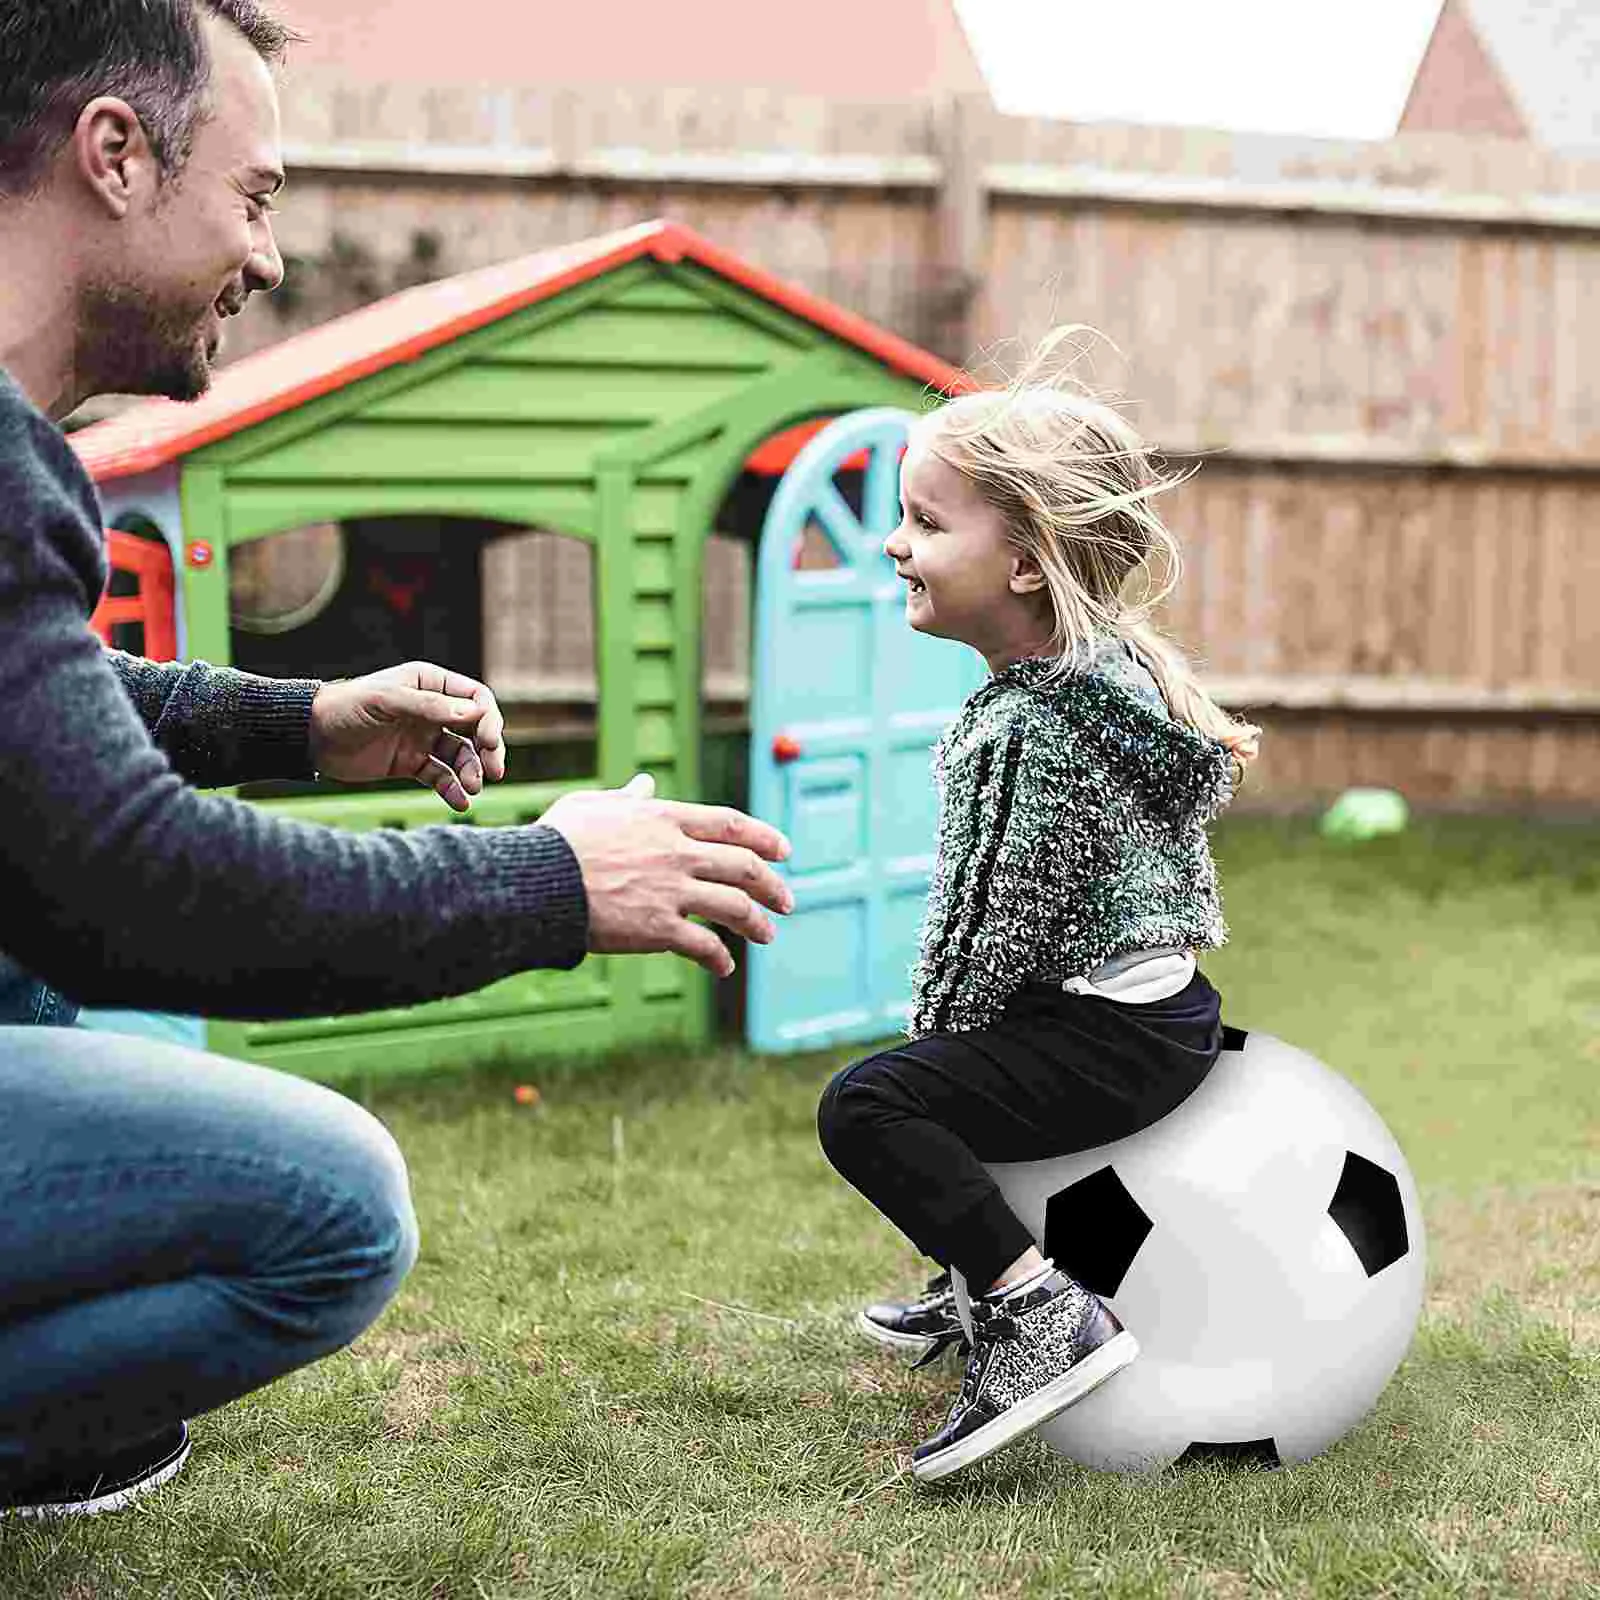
(122, 885)
(1071, 830)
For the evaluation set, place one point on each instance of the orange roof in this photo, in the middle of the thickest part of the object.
(835, 49)
(402, 327)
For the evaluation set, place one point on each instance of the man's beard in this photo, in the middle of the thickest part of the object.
(129, 343)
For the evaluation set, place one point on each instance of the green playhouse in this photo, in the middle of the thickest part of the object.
(617, 391)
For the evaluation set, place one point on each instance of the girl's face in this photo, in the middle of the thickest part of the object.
(964, 578)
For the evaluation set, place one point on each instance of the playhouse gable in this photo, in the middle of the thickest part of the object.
(645, 371)
(672, 267)
(612, 354)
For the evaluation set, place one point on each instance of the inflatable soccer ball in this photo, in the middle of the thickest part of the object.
(1263, 1243)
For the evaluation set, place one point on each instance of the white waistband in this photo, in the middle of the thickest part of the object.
(1137, 979)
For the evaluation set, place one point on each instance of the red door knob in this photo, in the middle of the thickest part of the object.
(785, 748)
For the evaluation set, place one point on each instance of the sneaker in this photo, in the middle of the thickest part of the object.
(1034, 1353)
(928, 1325)
(83, 1488)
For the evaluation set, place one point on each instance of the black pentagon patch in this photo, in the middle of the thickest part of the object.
(1233, 1038)
(1093, 1229)
(1260, 1453)
(1368, 1210)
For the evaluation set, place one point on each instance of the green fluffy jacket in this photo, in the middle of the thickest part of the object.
(1072, 829)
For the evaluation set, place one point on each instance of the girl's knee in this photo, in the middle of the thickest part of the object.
(850, 1095)
(829, 1115)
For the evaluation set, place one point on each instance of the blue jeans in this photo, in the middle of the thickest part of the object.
(176, 1230)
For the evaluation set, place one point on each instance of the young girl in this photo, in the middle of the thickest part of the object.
(1056, 1002)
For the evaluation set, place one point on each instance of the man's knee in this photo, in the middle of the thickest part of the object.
(357, 1236)
(378, 1186)
(395, 1239)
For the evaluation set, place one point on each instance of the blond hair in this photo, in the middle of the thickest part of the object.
(1075, 483)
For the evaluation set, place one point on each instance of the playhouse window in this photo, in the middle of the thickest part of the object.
(337, 600)
(725, 601)
(539, 635)
(814, 550)
(283, 582)
(539, 628)
(137, 613)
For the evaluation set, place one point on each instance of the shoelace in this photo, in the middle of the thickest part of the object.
(990, 1325)
(937, 1288)
(941, 1343)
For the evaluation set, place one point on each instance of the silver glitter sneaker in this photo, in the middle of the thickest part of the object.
(1033, 1354)
(927, 1325)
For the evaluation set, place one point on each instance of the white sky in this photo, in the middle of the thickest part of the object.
(1334, 68)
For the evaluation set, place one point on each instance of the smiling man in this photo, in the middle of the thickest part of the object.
(177, 1229)
(158, 229)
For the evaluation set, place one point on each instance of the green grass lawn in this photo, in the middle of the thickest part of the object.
(624, 1365)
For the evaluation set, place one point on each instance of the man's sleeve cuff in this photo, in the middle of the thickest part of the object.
(271, 725)
(540, 876)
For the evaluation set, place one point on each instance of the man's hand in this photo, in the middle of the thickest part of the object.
(414, 721)
(649, 865)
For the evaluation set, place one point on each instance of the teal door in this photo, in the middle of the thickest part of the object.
(847, 704)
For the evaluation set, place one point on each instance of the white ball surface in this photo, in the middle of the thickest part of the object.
(1262, 1331)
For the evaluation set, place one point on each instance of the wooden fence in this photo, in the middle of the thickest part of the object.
(1383, 353)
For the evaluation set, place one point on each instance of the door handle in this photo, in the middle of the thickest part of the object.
(785, 748)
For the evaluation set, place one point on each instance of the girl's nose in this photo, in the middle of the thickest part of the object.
(895, 546)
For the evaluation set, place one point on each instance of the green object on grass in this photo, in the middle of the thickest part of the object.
(1366, 814)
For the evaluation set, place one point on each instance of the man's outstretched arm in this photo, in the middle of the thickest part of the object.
(122, 885)
(218, 726)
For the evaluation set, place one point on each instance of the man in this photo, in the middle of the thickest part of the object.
(179, 1229)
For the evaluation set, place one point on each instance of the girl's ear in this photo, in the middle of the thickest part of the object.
(1026, 578)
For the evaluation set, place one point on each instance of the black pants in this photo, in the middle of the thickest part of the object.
(911, 1127)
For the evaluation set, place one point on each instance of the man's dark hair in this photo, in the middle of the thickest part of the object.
(58, 55)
